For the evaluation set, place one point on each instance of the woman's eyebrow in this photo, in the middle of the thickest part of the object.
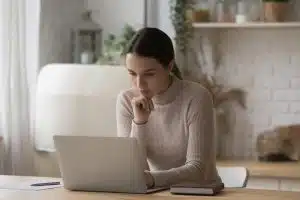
(149, 70)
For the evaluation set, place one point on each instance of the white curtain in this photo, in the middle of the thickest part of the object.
(18, 70)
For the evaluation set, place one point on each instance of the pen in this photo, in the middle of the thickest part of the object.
(46, 183)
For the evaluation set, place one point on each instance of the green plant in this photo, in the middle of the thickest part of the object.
(182, 24)
(114, 46)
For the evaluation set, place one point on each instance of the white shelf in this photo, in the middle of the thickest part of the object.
(247, 25)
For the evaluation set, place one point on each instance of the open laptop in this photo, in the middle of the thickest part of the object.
(101, 164)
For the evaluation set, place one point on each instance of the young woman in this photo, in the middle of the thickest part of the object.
(171, 118)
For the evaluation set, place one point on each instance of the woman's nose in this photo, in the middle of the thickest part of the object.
(140, 82)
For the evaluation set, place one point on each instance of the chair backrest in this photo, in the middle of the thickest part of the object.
(233, 177)
(78, 100)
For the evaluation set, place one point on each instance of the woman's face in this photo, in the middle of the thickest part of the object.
(148, 76)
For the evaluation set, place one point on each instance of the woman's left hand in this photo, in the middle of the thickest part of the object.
(149, 179)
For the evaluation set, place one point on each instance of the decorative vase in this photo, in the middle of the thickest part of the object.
(275, 11)
(86, 57)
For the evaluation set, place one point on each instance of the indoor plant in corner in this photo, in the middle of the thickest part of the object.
(114, 46)
(221, 96)
(275, 10)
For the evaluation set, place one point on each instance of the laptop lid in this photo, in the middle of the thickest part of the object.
(107, 164)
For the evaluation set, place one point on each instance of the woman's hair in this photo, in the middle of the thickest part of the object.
(153, 43)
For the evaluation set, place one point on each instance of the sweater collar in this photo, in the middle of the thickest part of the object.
(170, 94)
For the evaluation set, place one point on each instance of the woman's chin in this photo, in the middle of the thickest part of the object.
(147, 94)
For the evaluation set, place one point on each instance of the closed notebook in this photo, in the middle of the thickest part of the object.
(197, 189)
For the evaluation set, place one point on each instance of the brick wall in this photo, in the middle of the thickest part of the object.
(266, 64)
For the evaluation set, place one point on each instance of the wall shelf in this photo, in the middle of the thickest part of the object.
(216, 25)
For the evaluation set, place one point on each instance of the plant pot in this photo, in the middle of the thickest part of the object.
(275, 11)
(201, 15)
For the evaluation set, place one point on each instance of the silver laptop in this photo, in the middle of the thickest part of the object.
(101, 164)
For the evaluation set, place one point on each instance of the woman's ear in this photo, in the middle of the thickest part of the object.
(171, 65)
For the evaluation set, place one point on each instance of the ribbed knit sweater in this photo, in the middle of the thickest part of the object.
(178, 139)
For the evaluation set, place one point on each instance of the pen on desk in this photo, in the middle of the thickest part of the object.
(46, 183)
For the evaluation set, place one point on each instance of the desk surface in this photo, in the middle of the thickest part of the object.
(62, 194)
(290, 170)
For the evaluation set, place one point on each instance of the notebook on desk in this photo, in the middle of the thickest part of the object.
(197, 189)
(101, 164)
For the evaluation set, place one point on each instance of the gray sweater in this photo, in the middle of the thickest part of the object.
(178, 138)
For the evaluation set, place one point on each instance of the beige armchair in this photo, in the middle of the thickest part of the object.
(77, 99)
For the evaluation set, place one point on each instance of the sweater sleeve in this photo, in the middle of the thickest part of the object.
(126, 126)
(200, 156)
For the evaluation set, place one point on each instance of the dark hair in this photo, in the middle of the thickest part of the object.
(153, 43)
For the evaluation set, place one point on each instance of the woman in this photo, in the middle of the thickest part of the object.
(172, 119)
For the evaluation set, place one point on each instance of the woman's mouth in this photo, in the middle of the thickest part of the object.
(145, 93)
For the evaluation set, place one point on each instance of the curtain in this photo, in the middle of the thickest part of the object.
(18, 70)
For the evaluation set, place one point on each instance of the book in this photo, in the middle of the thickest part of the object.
(197, 189)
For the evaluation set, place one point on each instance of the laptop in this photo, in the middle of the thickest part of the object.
(101, 164)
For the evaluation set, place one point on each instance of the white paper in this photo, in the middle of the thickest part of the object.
(5, 193)
(26, 185)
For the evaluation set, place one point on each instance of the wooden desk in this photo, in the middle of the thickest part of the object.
(62, 194)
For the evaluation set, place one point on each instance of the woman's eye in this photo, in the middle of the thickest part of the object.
(149, 74)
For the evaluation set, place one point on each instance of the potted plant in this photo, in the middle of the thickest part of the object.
(114, 46)
(180, 11)
(275, 10)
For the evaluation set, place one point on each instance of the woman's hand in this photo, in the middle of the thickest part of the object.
(142, 108)
(149, 179)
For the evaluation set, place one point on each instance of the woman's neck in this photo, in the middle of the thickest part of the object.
(170, 81)
(170, 93)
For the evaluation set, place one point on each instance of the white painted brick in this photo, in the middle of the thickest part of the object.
(295, 61)
(288, 70)
(262, 68)
(259, 95)
(283, 70)
(294, 107)
(271, 107)
(241, 81)
(262, 119)
(274, 82)
(286, 95)
(249, 70)
(295, 83)
(285, 119)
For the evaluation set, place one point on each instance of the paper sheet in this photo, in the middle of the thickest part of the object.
(26, 185)
(4, 193)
